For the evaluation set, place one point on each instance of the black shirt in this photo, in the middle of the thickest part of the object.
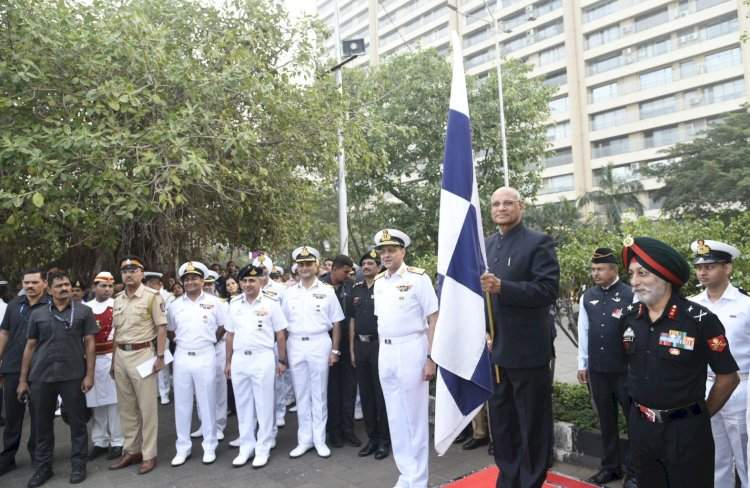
(363, 301)
(59, 355)
(344, 294)
(604, 307)
(668, 357)
(15, 321)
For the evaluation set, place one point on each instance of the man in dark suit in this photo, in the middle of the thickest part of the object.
(523, 282)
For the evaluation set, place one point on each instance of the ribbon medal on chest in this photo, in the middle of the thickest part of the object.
(677, 340)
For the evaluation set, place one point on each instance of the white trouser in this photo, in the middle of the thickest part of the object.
(729, 427)
(253, 374)
(283, 390)
(194, 375)
(164, 380)
(220, 381)
(105, 427)
(308, 361)
(400, 366)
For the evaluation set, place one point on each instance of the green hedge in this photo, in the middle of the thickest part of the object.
(572, 403)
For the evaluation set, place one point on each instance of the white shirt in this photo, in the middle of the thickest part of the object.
(403, 300)
(195, 322)
(255, 323)
(311, 310)
(733, 309)
(274, 291)
(3, 306)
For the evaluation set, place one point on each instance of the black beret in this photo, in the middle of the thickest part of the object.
(658, 257)
(373, 254)
(251, 271)
(603, 255)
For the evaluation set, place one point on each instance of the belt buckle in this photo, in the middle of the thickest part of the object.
(387, 341)
(304, 338)
(128, 347)
(651, 415)
(248, 352)
(191, 353)
(364, 338)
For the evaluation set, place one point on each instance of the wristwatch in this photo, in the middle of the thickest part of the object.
(336, 352)
(160, 356)
(282, 361)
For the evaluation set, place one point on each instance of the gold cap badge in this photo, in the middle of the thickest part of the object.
(703, 247)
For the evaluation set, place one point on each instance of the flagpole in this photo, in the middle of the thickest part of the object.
(341, 159)
(499, 71)
(491, 320)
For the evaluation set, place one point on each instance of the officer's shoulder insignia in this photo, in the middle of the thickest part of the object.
(743, 291)
(359, 283)
(697, 312)
(718, 343)
(379, 275)
(415, 270)
(271, 295)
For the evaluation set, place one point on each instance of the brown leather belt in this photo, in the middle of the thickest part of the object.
(104, 348)
(135, 346)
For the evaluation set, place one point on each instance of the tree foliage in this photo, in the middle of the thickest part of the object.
(156, 127)
(709, 175)
(614, 198)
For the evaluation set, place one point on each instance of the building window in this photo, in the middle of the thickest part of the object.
(556, 184)
(727, 90)
(598, 38)
(658, 77)
(549, 30)
(604, 92)
(610, 147)
(689, 68)
(599, 10)
(516, 43)
(722, 27)
(477, 37)
(558, 132)
(480, 58)
(558, 78)
(664, 136)
(704, 4)
(620, 174)
(722, 59)
(610, 118)
(550, 6)
(559, 157)
(654, 48)
(652, 19)
(552, 55)
(559, 105)
(657, 107)
(608, 63)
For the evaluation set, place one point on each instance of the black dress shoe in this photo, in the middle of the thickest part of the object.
(78, 474)
(97, 451)
(605, 476)
(7, 466)
(334, 440)
(40, 477)
(114, 452)
(369, 448)
(352, 439)
(382, 452)
(462, 437)
(491, 449)
(472, 443)
(630, 482)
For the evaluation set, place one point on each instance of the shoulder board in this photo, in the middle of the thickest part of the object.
(743, 291)
(379, 275)
(696, 312)
(150, 290)
(271, 295)
(412, 269)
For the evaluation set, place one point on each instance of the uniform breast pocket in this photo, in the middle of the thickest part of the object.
(674, 355)
(44, 330)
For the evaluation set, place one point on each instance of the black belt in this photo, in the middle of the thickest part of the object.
(367, 337)
(663, 416)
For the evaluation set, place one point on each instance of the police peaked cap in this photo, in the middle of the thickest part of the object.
(659, 258)
(251, 271)
(370, 255)
(603, 255)
(131, 261)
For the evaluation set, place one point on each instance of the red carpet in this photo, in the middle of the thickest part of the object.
(486, 479)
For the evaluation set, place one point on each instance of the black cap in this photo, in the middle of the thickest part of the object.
(131, 261)
(251, 271)
(603, 255)
(372, 254)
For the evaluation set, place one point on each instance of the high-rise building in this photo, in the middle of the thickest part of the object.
(634, 77)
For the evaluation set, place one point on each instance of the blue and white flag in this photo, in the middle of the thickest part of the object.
(459, 347)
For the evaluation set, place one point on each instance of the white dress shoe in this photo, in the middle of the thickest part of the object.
(299, 451)
(219, 435)
(273, 444)
(242, 458)
(196, 433)
(180, 458)
(293, 408)
(165, 400)
(235, 443)
(323, 451)
(209, 457)
(280, 422)
(260, 461)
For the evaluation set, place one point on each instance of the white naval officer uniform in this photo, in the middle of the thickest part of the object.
(403, 301)
(254, 326)
(194, 323)
(164, 378)
(102, 398)
(311, 313)
(283, 386)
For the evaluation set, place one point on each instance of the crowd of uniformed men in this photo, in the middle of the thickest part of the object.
(256, 340)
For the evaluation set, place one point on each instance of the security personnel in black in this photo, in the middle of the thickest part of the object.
(523, 283)
(364, 347)
(342, 381)
(669, 342)
(59, 359)
(601, 360)
(12, 343)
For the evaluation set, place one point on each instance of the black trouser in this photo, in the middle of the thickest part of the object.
(342, 392)
(608, 393)
(14, 413)
(44, 403)
(370, 391)
(676, 454)
(521, 423)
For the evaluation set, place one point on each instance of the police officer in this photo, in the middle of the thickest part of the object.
(668, 342)
(106, 433)
(406, 307)
(59, 360)
(364, 349)
(523, 282)
(601, 360)
(713, 267)
(12, 342)
(256, 324)
(140, 336)
(193, 320)
(312, 310)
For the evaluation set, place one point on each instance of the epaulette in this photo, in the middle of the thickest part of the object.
(270, 296)
(379, 275)
(696, 311)
(743, 291)
(415, 270)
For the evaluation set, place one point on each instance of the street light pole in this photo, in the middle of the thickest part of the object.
(498, 69)
(343, 224)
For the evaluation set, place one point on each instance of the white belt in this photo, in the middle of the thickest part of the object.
(306, 336)
(401, 339)
(195, 351)
(247, 351)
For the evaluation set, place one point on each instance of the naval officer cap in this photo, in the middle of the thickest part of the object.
(251, 271)
(372, 255)
(263, 261)
(658, 257)
(305, 254)
(131, 262)
(707, 252)
(150, 275)
(104, 277)
(603, 255)
(192, 267)
(211, 276)
(391, 237)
